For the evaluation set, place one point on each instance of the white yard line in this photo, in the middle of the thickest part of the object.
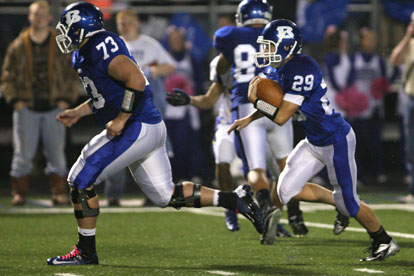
(66, 274)
(214, 211)
(219, 272)
(368, 270)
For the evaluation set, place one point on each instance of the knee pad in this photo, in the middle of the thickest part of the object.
(80, 196)
(178, 200)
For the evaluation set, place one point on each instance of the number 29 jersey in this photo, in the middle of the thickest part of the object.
(238, 45)
(302, 81)
(106, 94)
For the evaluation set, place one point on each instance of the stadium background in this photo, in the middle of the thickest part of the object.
(387, 18)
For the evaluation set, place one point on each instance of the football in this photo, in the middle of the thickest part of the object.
(269, 91)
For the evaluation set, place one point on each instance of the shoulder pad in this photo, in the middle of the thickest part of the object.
(223, 36)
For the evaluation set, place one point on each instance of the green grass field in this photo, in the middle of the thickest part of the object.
(138, 241)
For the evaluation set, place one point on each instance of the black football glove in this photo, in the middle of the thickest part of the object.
(178, 97)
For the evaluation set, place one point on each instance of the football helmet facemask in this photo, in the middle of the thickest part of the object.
(253, 12)
(78, 21)
(279, 40)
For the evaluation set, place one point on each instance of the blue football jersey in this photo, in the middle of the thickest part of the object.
(238, 45)
(303, 76)
(91, 62)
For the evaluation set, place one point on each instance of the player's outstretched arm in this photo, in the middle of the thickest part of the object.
(70, 116)
(127, 72)
(208, 100)
(223, 65)
(244, 122)
(180, 97)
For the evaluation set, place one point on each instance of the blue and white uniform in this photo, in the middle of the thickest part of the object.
(238, 45)
(330, 141)
(140, 147)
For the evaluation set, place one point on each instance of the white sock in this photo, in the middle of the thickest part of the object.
(87, 232)
(215, 198)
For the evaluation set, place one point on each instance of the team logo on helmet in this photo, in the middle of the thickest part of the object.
(279, 40)
(72, 17)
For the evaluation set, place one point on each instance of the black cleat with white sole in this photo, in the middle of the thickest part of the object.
(272, 217)
(341, 222)
(379, 252)
(298, 225)
(248, 208)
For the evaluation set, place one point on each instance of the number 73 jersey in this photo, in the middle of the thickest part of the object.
(302, 81)
(91, 63)
(238, 45)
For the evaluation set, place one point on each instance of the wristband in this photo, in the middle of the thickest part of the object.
(267, 109)
(131, 100)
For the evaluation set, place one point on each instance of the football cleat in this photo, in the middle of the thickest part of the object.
(75, 257)
(232, 223)
(281, 232)
(272, 217)
(341, 222)
(298, 225)
(248, 208)
(379, 252)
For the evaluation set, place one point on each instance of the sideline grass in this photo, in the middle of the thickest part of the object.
(181, 243)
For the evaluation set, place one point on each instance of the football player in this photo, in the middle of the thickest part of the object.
(134, 134)
(330, 140)
(223, 144)
(237, 46)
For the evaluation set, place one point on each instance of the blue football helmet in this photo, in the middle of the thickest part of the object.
(253, 12)
(279, 40)
(78, 21)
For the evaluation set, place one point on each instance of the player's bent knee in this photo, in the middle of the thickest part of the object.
(178, 200)
(285, 194)
(348, 212)
(81, 196)
(348, 208)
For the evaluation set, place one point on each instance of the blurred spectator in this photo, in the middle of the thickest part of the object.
(194, 34)
(336, 63)
(156, 64)
(403, 53)
(148, 52)
(226, 20)
(183, 122)
(38, 81)
(366, 111)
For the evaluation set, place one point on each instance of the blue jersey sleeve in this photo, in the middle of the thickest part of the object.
(223, 40)
(106, 47)
(301, 76)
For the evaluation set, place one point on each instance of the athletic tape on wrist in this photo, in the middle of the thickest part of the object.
(267, 109)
